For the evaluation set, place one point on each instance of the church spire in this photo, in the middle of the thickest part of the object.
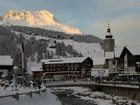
(109, 35)
(108, 30)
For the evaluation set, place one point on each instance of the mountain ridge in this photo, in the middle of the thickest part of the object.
(1, 18)
(41, 18)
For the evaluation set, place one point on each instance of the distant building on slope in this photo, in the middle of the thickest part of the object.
(65, 68)
(6, 66)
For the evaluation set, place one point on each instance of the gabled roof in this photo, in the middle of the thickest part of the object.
(64, 60)
(135, 50)
(6, 60)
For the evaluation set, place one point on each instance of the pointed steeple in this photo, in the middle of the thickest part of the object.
(108, 29)
(108, 35)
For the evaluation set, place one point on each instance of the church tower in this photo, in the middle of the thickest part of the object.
(109, 42)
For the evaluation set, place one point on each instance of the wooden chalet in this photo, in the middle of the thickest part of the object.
(65, 68)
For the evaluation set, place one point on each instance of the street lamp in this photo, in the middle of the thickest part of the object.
(138, 66)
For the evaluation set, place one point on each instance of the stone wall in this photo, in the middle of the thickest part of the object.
(133, 93)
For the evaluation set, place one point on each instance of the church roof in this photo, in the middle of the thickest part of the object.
(135, 50)
(118, 51)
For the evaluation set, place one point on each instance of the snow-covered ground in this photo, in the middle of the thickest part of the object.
(46, 98)
(49, 98)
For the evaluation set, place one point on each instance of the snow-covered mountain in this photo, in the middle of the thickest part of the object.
(1, 18)
(41, 18)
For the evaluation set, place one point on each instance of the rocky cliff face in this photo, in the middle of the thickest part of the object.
(1, 18)
(41, 18)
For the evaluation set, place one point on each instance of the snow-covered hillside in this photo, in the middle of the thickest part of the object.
(92, 50)
(86, 49)
(41, 18)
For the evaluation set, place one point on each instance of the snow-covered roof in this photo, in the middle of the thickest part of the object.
(35, 66)
(64, 60)
(135, 50)
(6, 60)
(118, 51)
(99, 61)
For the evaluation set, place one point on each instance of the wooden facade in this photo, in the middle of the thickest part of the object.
(65, 68)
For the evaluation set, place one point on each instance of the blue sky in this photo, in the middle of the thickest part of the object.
(90, 16)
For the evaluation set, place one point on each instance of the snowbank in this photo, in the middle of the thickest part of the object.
(46, 98)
